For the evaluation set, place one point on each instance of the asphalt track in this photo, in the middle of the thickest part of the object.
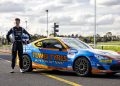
(50, 78)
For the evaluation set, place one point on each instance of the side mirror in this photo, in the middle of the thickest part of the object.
(58, 46)
(73, 50)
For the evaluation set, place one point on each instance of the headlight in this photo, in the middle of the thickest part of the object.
(99, 57)
(103, 59)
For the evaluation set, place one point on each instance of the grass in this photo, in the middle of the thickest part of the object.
(113, 48)
(113, 45)
(109, 43)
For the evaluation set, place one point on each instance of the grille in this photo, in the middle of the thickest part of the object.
(115, 67)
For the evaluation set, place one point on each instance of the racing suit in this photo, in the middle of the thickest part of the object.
(17, 44)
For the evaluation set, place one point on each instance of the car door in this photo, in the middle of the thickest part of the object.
(52, 53)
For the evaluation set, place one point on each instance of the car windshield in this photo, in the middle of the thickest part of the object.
(75, 43)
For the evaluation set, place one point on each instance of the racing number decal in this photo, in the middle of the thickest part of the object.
(38, 44)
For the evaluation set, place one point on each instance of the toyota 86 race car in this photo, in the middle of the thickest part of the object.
(69, 54)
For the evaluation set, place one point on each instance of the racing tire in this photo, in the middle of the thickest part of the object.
(82, 66)
(27, 63)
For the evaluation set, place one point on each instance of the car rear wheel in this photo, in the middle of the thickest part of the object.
(27, 63)
(82, 66)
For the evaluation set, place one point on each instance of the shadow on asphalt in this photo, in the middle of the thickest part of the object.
(54, 72)
(66, 73)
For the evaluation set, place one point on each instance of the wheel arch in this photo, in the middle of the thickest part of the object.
(26, 54)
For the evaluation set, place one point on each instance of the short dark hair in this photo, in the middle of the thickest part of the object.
(17, 19)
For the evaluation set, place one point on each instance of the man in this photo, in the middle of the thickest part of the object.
(17, 46)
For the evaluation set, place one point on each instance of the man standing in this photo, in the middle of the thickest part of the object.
(17, 46)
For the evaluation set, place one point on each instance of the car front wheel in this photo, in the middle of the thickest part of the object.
(82, 66)
(27, 63)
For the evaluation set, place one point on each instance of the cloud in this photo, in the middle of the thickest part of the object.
(53, 8)
(70, 21)
(117, 19)
(82, 1)
(11, 7)
(66, 1)
(72, 15)
(74, 20)
(109, 2)
(62, 20)
(81, 30)
(114, 28)
(106, 2)
(105, 20)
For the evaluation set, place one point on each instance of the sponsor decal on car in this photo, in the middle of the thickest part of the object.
(106, 61)
(50, 57)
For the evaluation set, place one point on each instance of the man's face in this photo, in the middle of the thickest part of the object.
(17, 22)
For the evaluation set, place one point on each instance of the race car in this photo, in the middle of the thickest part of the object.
(69, 54)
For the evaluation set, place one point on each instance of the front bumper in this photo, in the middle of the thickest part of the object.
(106, 68)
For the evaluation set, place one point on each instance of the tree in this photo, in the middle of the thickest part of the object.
(72, 36)
(109, 36)
(76, 36)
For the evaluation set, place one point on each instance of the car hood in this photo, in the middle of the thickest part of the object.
(108, 53)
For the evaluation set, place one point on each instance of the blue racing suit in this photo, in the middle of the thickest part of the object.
(17, 44)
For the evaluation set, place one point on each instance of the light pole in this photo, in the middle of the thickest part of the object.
(47, 22)
(95, 24)
(1, 34)
(26, 23)
(1, 38)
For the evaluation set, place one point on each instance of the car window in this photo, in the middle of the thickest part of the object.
(48, 43)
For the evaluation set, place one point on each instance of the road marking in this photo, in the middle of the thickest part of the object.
(54, 77)
(61, 79)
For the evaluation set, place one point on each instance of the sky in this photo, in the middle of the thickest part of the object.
(73, 16)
